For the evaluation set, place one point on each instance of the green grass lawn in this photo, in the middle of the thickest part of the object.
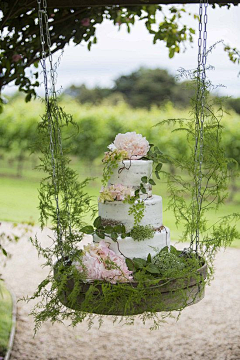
(19, 195)
(5, 317)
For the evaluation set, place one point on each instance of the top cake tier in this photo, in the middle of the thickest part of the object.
(130, 172)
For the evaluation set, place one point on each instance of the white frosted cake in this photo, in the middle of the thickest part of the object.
(129, 174)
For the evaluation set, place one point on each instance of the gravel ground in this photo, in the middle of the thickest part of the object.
(209, 330)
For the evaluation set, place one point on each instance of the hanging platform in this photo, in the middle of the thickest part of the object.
(126, 299)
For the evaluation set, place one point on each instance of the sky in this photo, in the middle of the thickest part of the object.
(118, 53)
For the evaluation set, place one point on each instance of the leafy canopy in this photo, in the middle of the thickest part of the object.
(20, 44)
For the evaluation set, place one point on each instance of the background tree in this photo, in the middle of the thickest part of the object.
(20, 45)
(147, 87)
(141, 88)
(84, 95)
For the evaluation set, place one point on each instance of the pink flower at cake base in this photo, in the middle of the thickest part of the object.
(134, 144)
(101, 263)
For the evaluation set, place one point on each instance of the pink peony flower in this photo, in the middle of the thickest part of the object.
(117, 192)
(85, 22)
(134, 144)
(16, 57)
(101, 263)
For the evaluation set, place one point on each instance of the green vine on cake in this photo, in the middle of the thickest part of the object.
(101, 230)
(136, 209)
(157, 157)
(111, 161)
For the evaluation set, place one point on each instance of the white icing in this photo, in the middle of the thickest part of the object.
(118, 211)
(130, 172)
(131, 248)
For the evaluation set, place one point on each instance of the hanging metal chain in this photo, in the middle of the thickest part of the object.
(200, 115)
(49, 44)
(50, 127)
(54, 97)
(53, 124)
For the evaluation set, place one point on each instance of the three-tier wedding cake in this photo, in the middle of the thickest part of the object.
(124, 182)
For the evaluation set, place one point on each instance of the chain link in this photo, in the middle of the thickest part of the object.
(200, 115)
(53, 126)
(54, 96)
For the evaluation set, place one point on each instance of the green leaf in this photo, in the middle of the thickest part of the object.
(4, 252)
(152, 182)
(130, 264)
(100, 234)
(28, 97)
(149, 258)
(118, 229)
(159, 167)
(143, 190)
(171, 52)
(123, 229)
(109, 229)
(89, 45)
(173, 250)
(144, 179)
(87, 229)
(165, 249)
(97, 222)
(114, 236)
(157, 150)
(139, 263)
(137, 193)
(152, 269)
(157, 175)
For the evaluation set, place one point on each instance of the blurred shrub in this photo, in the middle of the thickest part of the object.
(97, 127)
(234, 104)
(140, 89)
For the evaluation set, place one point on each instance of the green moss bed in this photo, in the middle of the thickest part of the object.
(5, 318)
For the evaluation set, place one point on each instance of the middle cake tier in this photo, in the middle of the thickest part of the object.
(117, 212)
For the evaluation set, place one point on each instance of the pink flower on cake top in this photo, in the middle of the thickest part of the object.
(134, 144)
(101, 263)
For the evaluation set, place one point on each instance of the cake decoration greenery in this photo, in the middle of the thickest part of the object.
(166, 264)
(157, 157)
(112, 230)
(137, 210)
(169, 264)
(141, 232)
(111, 161)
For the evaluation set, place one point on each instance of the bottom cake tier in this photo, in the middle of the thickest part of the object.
(138, 249)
